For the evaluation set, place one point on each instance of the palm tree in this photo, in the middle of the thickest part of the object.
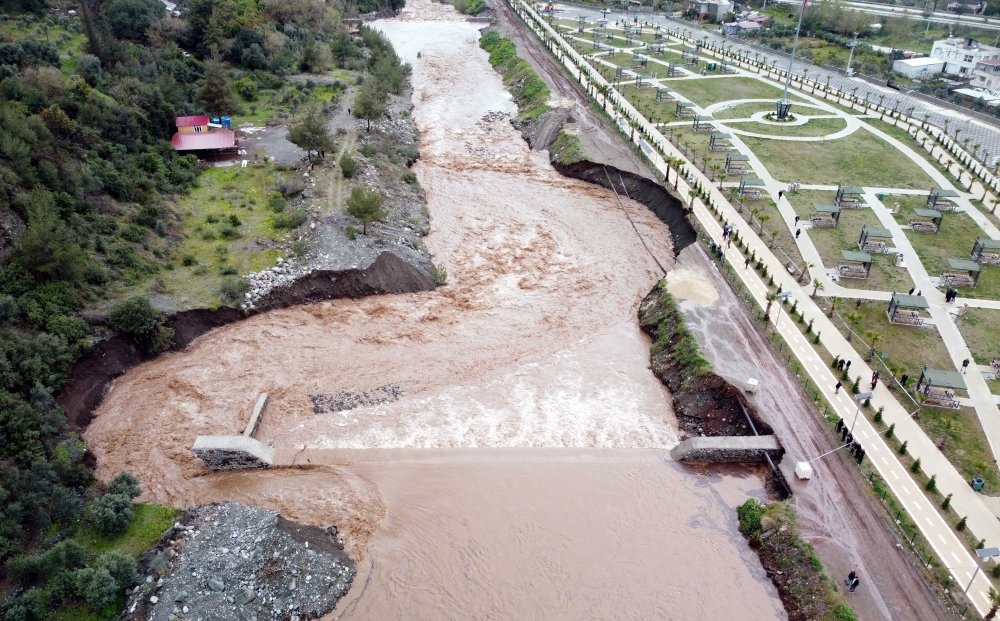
(833, 307)
(761, 220)
(805, 272)
(874, 338)
(995, 604)
(771, 297)
(817, 286)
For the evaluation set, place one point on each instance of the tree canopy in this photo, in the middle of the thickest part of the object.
(365, 204)
(311, 131)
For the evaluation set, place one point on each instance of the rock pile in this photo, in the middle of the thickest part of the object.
(284, 273)
(231, 561)
(348, 400)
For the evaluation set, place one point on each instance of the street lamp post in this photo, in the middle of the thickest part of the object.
(862, 397)
(854, 44)
(984, 554)
(783, 105)
(784, 295)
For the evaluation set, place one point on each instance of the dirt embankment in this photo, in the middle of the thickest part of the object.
(91, 375)
(706, 404)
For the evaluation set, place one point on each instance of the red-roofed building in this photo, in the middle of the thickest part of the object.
(194, 133)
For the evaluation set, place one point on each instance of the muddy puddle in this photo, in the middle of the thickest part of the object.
(493, 449)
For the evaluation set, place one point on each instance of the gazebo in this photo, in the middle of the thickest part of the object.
(905, 309)
(872, 239)
(662, 93)
(736, 163)
(719, 141)
(986, 251)
(689, 57)
(855, 264)
(961, 273)
(684, 109)
(848, 197)
(671, 69)
(926, 220)
(825, 216)
(701, 123)
(938, 387)
(750, 188)
(934, 199)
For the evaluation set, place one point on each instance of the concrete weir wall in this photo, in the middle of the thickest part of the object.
(727, 449)
(233, 452)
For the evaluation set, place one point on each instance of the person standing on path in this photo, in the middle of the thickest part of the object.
(911, 290)
(797, 233)
(851, 577)
(796, 220)
(836, 389)
(874, 382)
(847, 367)
(746, 263)
(904, 379)
(855, 583)
(965, 365)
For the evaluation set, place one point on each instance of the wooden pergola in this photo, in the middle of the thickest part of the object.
(872, 239)
(684, 109)
(961, 273)
(855, 264)
(719, 141)
(826, 216)
(750, 188)
(905, 309)
(926, 220)
(848, 197)
(701, 123)
(736, 163)
(938, 387)
(934, 199)
(986, 251)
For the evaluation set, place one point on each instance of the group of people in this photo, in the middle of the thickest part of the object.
(852, 580)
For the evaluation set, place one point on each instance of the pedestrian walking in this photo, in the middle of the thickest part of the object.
(781, 193)
(796, 220)
(840, 364)
(851, 577)
(847, 366)
(855, 583)
(857, 303)
(836, 389)
(911, 290)
(797, 233)
(874, 382)
(920, 293)
(746, 263)
(902, 380)
(965, 365)
(875, 375)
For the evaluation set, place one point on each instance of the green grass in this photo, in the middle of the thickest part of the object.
(744, 110)
(814, 128)
(954, 240)
(706, 92)
(980, 327)
(148, 525)
(860, 159)
(906, 349)
(829, 242)
(965, 444)
(220, 193)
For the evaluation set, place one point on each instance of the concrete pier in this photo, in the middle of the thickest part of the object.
(727, 449)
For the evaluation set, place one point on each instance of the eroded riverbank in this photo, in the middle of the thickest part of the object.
(531, 349)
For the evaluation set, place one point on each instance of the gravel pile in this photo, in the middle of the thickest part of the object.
(231, 561)
(348, 400)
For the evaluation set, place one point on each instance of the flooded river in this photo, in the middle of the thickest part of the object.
(495, 449)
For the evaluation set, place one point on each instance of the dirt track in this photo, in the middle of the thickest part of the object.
(837, 514)
(600, 143)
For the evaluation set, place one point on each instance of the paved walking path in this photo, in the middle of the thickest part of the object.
(981, 520)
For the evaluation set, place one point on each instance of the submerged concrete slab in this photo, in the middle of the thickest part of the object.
(727, 449)
(233, 452)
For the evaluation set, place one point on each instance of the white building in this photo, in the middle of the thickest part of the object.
(986, 76)
(961, 56)
(715, 10)
(918, 68)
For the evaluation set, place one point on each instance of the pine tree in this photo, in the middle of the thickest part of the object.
(311, 131)
(365, 204)
(370, 102)
(216, 92)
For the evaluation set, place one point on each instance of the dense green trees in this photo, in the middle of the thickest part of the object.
(311, 131)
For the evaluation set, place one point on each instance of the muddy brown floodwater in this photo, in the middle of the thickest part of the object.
(506, 457)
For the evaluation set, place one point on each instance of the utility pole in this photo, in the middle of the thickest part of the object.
(783, 104)
(854, 44)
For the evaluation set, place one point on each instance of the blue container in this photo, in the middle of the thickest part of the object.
(978, 484)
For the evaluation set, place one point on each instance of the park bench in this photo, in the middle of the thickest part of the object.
(823, 221)
(753, 194)
(958, 279)
(989, 258)
(923, 227)
(877, 247)
(942, 397)
(850, 203)
(852, 271)
(908, 317)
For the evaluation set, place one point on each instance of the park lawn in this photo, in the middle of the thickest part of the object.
(705, 92)
(148, 524)
(782, 241)
(815, 128)
(905, 349)
(909, 140)
(644, 100)
(210, 248)
(964, 442)
(744, 110)
(980, 327)
(829, 242)
(955, 239)
(860, 159)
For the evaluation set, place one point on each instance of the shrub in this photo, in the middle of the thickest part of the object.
(352, 233)
(233, 290)
(961, 524)
(291, 220)
(112, 513)
(946, 504)
(134, 317)
(234, 220)
(348, 166)
(878, 413)
(440, 274)
(915, 466)
(931, 485)
(902, 447)
(749, 514)
(122, 567)
(125, 484)
(98, 587)
(410, 177)
(188, 260)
